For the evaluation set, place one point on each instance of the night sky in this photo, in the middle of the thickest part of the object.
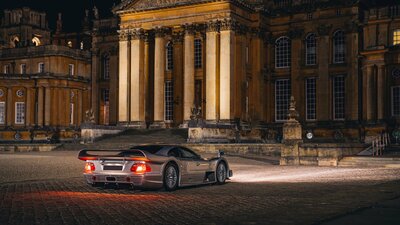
(72, 10)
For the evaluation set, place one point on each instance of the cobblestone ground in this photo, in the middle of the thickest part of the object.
(47, 188)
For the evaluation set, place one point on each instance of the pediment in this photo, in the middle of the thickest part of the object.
(140, 5)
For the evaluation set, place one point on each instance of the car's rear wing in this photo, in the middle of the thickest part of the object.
(127, 155)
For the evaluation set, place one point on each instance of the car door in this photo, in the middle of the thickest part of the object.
(196, 166)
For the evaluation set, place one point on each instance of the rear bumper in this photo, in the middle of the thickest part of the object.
(143, 181)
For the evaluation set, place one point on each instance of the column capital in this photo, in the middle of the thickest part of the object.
(123, 35)
(212, 26)
(178, 37)
(161, 31)
(190, 29)
(137, 34)
(228, 24)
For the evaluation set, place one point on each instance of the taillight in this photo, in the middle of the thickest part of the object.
(89, 167)
(140, 168)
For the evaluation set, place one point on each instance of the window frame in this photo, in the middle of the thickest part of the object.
(71, 69)
(198, 53)
(281, 104)
(339, 55)
(392, 102)
(310, 41)
(106, 67)
(2, 113)
(6, 69)
(283, 52)
(169, 56)
(396, 37)
(311, 98)
(20, 116)
(41, 67)
(169, 101)
(22, 68)
(335, 100)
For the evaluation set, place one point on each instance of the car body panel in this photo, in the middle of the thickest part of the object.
(114, 166)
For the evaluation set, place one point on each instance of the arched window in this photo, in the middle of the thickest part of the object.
(198, 54)
(69, 43)
(106, 67)
(311, 49)
(339, 47)
(283, 52)
(15, 41)
(36, 41)
(170, 56)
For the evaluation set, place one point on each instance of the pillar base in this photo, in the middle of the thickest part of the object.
(158, 125)
(137, 125)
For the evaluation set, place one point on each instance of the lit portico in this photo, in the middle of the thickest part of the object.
(199, 73)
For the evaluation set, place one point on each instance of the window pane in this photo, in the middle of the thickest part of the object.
(169, 101)
(2, 112)
(396, 37)
(106, 67)
(283, 52)
(311, 99)
(311, 50)
(197, 54)
(339, 97)
(170, 58)
(20, 113)
(396, 101)
(282, 99)
(339, 47)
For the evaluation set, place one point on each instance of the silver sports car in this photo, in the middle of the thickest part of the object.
(153, 166)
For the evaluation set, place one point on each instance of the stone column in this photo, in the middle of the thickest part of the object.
(137, 79)
(211, 71)
(123, 104)
(159, 78)
(9, 108)
(188, 71)
(40, 106)
(369, 86)
(47, 107)
(227, 60)
(30, 107)
(96, 75)
(381, 92)
(297, 90)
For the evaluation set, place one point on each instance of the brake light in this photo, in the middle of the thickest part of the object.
(89, 167)
(140, 168)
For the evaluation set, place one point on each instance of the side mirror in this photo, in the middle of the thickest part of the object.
(220, 153)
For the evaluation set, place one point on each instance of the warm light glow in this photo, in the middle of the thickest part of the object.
(89, 167)
(396, 37)
(140, 168)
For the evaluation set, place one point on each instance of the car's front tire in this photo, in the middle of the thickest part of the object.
(221, 173)
(171, 177)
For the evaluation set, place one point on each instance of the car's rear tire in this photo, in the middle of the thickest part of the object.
(220, 173)
(171, 177)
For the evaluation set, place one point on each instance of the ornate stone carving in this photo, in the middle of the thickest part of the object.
(161, 31)
(213, 26)
(153, 4)
(324, 29)
(292, 114)
(228, 24)
(137, 33)
(190, 29)
(123, 35)
(178, 37)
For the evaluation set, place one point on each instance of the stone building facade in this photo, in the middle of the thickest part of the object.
(44, 84)
(240, 61)
(226, 68)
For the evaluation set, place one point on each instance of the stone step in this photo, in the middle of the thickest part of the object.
(359, 161)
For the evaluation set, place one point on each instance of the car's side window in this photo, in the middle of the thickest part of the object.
(174, 152)
(188, 154)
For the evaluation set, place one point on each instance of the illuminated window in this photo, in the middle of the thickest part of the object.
(309, 16)
(106, 105)
(19, 112)
(6, 69)
(170, 56)
(41, 67)
(198, 52)
(339, 45)
(71, 69)
(396, 101)
(69, 43)
(81, 45)
(282, 99)
(2, 112)
(36, 41)
(311, 50)
(169, 101)
(23, 68)
(106, 67)
(311, 99)
(338, 97)
(282, 52)
(396, 37)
